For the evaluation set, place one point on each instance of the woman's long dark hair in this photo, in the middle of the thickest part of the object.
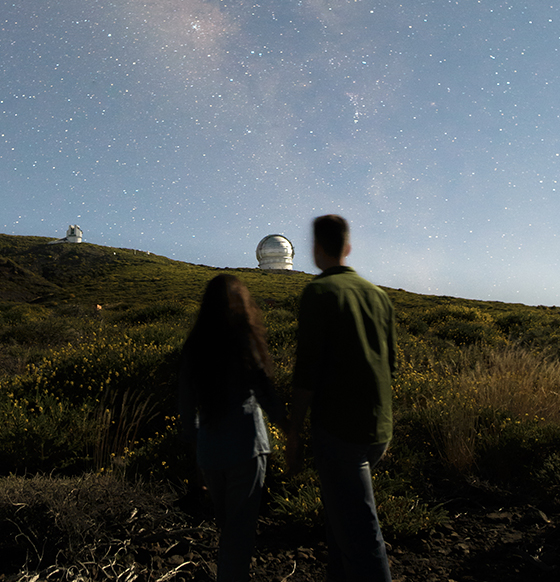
(226, 344)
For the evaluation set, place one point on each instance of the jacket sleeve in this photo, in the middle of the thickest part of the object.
(392, 342)
(312, 338)
(268, 398)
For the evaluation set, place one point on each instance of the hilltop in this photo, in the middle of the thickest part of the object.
(34, 271)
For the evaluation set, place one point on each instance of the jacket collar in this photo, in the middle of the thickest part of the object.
(335, 271)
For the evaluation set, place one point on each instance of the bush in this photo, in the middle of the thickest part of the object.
(86, 404)
(11, 314)
(401, 511)
(521, 453)
(42, 432)
(298, 500)
(480, 402)
(468, 333)
(162, 312)
(49, 332)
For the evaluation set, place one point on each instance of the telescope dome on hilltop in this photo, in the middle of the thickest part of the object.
(74, 234)
(275, 251)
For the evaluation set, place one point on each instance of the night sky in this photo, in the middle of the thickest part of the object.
(192, 129)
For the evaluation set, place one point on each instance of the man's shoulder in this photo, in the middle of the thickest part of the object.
(343, 277)
(339, 283)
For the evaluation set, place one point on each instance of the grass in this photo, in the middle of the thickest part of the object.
(117, 279)
(93, 521)
(91, 391)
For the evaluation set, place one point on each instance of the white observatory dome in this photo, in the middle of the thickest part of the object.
(275, 252)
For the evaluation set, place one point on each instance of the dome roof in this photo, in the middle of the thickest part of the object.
(275, 251)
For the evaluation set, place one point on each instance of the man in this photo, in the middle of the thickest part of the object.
(345, 362)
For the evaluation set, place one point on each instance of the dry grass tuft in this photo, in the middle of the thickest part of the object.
(489, 394)
(522, 382)
(51, 522)
(118, 423)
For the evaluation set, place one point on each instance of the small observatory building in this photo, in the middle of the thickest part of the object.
(275, 251)
(74, 234)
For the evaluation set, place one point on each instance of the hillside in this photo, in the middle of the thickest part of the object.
(32, 270)
(90, 442)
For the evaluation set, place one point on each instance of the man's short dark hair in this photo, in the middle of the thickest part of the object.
(331, 233)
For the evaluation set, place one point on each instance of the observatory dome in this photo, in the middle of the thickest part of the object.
(275, 251)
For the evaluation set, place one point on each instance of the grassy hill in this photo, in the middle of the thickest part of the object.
(32, 270)
(35, 272)
(83, 389)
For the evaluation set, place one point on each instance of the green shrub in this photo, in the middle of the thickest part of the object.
(48, 332)
(42, 432)
(21, 313)
(402, 513)
(87, 402)
(518, 452)
(468, 333)
(548, 475)
(298, 500)
(161, 312)
(414, 323)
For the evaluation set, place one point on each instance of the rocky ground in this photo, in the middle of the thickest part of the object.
(480, 543)
(490, 537)
(489, 544)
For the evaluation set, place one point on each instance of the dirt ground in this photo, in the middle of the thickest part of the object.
(490, 537)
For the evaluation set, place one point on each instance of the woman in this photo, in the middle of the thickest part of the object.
(223, 382)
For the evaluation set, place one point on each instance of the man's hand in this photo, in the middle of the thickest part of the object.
(284, 425)
(301, 402)
(294, 457)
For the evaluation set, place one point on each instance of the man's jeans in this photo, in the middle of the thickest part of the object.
(236, 494)
(356, 548)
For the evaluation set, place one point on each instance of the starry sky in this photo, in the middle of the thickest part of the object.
(194, 128)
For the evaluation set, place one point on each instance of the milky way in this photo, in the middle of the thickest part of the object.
(194, 128)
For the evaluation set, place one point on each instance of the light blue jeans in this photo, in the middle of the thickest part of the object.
(356, 547)
(236, 494)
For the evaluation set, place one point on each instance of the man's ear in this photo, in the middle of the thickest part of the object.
(347, 249)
